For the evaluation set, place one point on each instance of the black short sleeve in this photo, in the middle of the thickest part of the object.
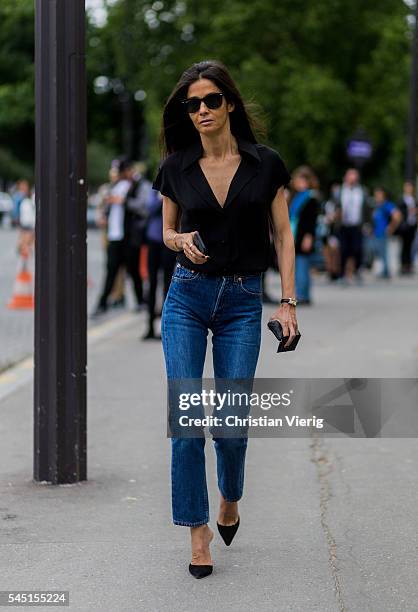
(279, 173)
(164, 181)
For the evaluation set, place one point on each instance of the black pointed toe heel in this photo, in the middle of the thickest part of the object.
(200, 571)
(227, 532)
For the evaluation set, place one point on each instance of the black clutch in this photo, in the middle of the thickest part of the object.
(276, 328)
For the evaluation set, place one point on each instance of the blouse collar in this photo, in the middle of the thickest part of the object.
(195, 151)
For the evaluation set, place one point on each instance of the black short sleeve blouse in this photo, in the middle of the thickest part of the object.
(236, 235)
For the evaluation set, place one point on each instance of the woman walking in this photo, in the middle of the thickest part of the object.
(226, 187)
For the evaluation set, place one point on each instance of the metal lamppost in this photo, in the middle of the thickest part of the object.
(61, 245)
(410, 170)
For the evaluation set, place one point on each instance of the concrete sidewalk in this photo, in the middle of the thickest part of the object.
(328, 525)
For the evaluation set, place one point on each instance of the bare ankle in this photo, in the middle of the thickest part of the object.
(201, 532)
(201, 537)
(199, 529)
(228, 512)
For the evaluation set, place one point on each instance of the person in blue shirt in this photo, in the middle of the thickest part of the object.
(386, 218)
(303, 212)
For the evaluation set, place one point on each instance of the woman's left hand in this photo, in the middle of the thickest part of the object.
(286, 315)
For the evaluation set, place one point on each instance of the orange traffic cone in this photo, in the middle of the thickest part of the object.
(143, 262)
(22, 298)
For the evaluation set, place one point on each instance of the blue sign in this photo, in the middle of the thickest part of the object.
(359, 149)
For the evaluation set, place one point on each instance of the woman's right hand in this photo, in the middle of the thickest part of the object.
(189, 249)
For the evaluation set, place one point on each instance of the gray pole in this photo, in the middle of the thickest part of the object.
(60, 265)
(410, 173)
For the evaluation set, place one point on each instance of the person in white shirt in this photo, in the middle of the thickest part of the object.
(27, 213)
(352, 205)
(117, 295)
(116, 249)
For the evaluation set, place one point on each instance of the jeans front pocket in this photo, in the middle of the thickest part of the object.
(251, 284)
(181, 273)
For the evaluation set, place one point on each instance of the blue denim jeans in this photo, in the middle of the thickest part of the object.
(303, 277)
(231, 307)
(381, 250)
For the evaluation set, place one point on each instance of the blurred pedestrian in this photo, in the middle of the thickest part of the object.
(117, 243)
(386, 217)
(26, 223)
(136, 217)
(117, 295)
(331, 238)
(352, 210)
(22, 192)
(408, 226)
(160, 258)
(303, 212)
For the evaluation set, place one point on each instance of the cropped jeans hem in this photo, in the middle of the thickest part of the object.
(186, 524)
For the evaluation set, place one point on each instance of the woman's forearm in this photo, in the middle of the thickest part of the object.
(173, 240)
(285, 249)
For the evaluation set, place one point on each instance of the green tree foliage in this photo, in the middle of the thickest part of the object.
(318, 69)
(16, 88)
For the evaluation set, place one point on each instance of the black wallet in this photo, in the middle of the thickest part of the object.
(276, 328)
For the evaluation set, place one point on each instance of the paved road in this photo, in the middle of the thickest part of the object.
(328, 525)
(16, 327)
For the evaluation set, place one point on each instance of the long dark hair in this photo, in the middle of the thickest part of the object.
(178, 131)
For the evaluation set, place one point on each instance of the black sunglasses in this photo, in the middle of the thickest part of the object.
(212, 101)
